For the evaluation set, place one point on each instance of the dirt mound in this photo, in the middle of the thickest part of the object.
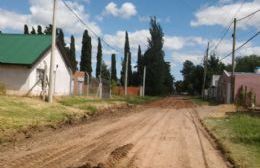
(114, 157)
(118, 154)
(173, 102)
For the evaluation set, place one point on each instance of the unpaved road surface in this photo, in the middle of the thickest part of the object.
(165, 134)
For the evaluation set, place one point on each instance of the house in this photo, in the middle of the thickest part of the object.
(212, 91)
(241, 79)
(25, 62)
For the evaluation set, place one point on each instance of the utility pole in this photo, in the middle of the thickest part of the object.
(144, 78)
(126, 73)
(205, 70)
(52, 59)
(233, 61)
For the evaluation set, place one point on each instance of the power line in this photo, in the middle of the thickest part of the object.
(85, 24)
(225, 31)
(251, 14)
(251, 38)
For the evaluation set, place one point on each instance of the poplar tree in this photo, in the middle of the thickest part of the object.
(33, 31)
(99, 58)
(26, 29)
(39, 30)
(140, 66)
(126, 53)
(157, 77)
(113, 68)
(73, 53)
(86, 54)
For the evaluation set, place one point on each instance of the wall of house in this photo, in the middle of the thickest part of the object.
(62, 75)
(15, 79)
(21, 80)
(223, 90)
(252, 81)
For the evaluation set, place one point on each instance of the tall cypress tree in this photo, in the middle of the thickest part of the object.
(99, 58)
(39, 30)
(61, 37)
(140, 66)
(113, 67)
(73, 53)
(126, 52)
(48, 30)
(86, 54)
(33, 31)
(154, 60)
(26, 29)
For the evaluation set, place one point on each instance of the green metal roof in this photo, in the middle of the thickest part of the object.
(22, 49)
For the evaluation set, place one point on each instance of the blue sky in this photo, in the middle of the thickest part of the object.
(188, 24)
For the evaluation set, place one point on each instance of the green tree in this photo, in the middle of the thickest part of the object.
(26, 29)
(61, 37)
(186, 71)
(39, 30)
(99, 58)
(139, 66)
(48, 30)
(126, 52)
(154, 60)
(105, 71)
(86, 53)
(33, 31)
(247, 63)
(113, 68)
(72, 53)
(169, 79)
(179, 86)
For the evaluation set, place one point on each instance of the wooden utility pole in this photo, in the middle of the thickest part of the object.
(144, 77)
(233, 61)
(126, 73)
(205, 71)
(52, 59)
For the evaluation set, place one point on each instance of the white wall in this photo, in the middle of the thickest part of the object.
(19, 80)
(15, 78)
(62, 78)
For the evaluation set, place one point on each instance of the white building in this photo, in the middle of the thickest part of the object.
(24, 59)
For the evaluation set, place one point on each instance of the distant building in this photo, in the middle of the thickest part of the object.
(212, 91)
(78, 84)
(24, 59)
(249, 80)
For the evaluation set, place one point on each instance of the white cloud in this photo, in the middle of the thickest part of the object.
(221, 14)
(41, 13)
(180, 57)
(178, 42)
(126, 11)
(12, 20)
(135, 38)
(148, 18)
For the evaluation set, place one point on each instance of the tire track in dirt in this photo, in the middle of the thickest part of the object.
(165, 134)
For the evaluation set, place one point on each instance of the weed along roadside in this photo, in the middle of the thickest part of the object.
(236, 134)
(21, 117)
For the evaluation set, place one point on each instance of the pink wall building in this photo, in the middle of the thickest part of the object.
(249, 80)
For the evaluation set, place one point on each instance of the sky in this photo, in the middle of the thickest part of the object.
(188, 25)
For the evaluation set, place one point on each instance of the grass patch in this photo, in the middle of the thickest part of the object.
(240, 136)
(20, 113)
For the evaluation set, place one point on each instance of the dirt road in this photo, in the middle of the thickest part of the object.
(165, 134)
